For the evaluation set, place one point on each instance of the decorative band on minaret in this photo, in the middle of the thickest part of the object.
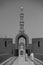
(21, 20)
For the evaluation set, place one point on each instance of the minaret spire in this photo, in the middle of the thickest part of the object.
(21, 20)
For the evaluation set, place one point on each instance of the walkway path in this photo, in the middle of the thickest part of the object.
(20, 61)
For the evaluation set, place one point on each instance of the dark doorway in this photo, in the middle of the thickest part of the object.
(28, 52)
(16, 52)
(21, 52)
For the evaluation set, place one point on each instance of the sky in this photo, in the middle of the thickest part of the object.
(33, 18)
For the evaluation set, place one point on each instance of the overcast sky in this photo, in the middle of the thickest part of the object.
(33, 18)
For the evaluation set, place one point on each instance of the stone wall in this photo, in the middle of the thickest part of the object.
(37, 44)
(6, 45)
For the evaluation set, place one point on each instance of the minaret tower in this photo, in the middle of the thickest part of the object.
(21, 21)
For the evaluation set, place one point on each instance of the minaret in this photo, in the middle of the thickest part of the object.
(21, 21)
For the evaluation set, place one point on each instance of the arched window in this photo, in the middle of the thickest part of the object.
(38, 43)
(5, 43)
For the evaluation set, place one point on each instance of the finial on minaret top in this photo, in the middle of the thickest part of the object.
(21, 20)
(21, 8)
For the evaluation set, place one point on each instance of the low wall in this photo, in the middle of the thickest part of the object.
(5, 56)
(37, 61)
(38, 56)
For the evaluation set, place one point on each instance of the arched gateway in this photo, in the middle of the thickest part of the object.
(21, 47)
(21, 35)
(24, 36)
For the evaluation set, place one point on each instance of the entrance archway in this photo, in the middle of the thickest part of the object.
(20, 35)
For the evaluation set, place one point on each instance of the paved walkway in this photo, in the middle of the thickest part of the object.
(9, 61)
(20, 61)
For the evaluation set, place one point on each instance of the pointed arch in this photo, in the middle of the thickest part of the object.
(19, 36)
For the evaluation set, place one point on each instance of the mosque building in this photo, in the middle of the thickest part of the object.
(22, 39)
(21, 46)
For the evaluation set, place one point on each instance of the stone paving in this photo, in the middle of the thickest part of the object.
(21, 61)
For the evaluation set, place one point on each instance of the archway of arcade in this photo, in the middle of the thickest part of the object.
(21, 41)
